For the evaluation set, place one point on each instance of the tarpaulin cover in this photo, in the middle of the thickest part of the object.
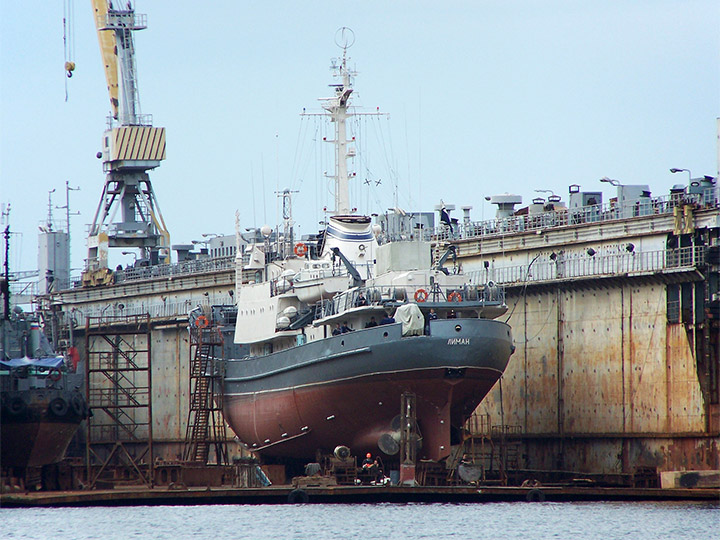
(50, 362)
(411, 318)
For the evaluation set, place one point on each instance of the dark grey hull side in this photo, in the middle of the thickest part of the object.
(452, 343)
(346, 390)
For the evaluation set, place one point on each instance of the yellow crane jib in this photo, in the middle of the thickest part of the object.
(108, 50)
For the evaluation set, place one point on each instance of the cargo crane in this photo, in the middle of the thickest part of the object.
(131, 147)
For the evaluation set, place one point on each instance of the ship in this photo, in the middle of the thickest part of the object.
(341, 326)
(41, 392)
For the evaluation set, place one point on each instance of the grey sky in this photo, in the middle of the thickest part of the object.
(484, 97)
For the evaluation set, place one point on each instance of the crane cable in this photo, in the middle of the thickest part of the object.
(68, 40)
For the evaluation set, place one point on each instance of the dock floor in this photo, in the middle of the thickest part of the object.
(142, 496)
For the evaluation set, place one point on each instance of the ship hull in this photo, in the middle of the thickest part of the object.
(38, 425)
(346, 390)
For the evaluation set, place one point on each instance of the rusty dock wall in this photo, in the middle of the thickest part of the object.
(164, 295)
(617, 336)
(616, 366)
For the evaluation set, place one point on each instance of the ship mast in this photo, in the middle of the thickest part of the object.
(338, 109)
(338, 106)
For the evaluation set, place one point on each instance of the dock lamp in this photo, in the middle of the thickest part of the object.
(674, 170)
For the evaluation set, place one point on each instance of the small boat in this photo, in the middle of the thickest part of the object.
(41, 393)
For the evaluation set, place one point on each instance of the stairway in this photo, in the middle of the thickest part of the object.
(206, 426)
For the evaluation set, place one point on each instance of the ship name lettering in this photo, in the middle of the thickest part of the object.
(458, 341)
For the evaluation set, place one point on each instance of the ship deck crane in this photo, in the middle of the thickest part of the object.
(131, 147)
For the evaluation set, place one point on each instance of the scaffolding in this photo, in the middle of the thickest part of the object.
(491, 449)
(119, 381)
(206, 425)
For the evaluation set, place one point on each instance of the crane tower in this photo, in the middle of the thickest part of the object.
(131, 147)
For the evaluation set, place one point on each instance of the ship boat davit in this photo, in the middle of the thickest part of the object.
(340, 327)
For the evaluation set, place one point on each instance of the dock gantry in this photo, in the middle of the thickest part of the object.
(131, 147)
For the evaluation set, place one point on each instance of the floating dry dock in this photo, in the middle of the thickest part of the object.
(615, 314)
(350, 494)
(615, 310)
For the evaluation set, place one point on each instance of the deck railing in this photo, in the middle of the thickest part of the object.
(380, 296)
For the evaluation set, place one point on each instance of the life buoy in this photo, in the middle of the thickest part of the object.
(300, 249)
(54, 374)
(202, 322)
(421, 295)
(455, 297)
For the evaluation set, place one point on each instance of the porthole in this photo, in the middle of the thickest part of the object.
(458, 327)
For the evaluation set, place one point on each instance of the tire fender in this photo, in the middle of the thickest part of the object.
(298, 496)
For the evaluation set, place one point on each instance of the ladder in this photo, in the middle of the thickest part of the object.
(206, 425)
(478, 444)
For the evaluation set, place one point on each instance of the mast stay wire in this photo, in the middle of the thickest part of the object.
(364, 165)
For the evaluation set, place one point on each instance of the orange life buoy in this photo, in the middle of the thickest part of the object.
(300, 249)
(202, 322)
(455, 297)
(54, 374)
(421, 295)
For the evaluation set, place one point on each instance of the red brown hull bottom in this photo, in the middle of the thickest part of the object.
(33, 444)
(297, 422)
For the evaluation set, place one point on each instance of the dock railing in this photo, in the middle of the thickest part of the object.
(645, 206)
(185, 268)
(583, 265)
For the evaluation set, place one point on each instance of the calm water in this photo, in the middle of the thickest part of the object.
(602, 521)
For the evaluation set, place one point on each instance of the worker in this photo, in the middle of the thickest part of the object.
(361, 300)
(387, 319)
(345, 328)
(371, 468)
(430, 317)
(337, 330)
(371, 323)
